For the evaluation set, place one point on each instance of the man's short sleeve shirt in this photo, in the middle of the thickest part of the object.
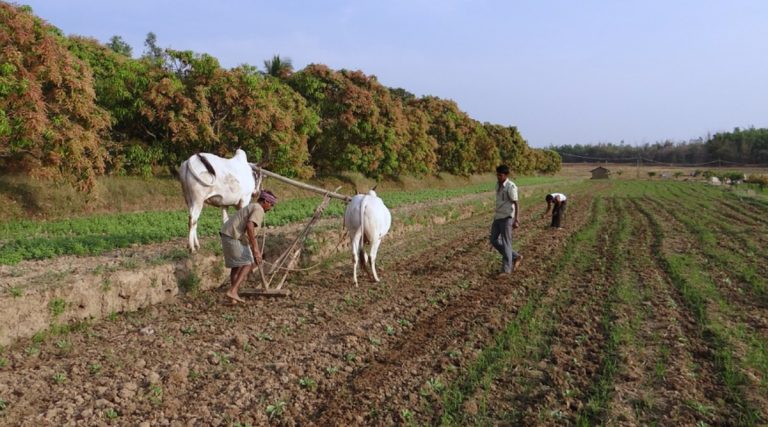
(235, 225)
(506, 193)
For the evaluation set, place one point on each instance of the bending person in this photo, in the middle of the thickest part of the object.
(556, 202)
(237, 234)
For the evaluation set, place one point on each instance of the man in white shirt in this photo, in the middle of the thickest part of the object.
(505, 220)
(558, 212)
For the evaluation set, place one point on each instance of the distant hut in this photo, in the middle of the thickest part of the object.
(600, 173)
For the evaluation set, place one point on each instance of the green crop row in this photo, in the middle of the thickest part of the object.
(525, 336)
(700, 293)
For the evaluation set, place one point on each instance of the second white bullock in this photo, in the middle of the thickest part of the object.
(208, 178)
(366, 219)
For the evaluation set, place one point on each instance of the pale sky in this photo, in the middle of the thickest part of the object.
(563, 72)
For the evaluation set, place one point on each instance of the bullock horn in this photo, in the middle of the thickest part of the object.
(374, 187)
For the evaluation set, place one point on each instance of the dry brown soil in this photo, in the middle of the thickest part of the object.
(333, 354)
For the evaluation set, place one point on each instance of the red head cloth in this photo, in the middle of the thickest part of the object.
(268, 197)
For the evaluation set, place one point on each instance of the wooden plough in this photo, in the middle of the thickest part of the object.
(286, 262)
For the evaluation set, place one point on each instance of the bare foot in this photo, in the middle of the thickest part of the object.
(517, 262)
(235, 298)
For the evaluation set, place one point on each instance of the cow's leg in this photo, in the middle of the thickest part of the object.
(374, 249)
(366, 259)
(224, 216)
(366, 263)
(355, 256)
(194, 215)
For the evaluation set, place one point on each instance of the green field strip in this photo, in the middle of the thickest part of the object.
(700, 294)
(706, 214)
(739, 266)
(643, 300)
(97, 234)
(737, 205)
(599, 396)
(705, 195)
(525, 336)
(690, 208)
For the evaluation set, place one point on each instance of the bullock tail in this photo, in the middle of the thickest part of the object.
(363, 206)
(207, 164)
(208, 167)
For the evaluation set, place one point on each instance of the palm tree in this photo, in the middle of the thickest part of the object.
(280, 68)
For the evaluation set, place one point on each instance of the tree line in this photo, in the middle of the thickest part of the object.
(76, 108)
(741, 146)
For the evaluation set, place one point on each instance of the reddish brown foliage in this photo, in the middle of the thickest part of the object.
(50, 125)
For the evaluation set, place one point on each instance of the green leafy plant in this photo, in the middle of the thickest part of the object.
(111, 414)
(308, 383)
(59, 378)
(276, 410)
(155, 394)
(262, 336)
(436, 385)
(222, 358)
(57, 306)
(94, 368)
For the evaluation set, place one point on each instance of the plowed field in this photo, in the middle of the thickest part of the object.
(649, 307)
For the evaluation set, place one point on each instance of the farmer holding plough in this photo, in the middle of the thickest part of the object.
(237, 234)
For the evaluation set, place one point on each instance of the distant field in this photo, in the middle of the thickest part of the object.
(635, 171)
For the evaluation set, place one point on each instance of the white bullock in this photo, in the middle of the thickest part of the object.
(207, 178)
(366, 220)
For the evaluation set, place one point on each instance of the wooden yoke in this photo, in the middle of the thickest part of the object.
(332, 194)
